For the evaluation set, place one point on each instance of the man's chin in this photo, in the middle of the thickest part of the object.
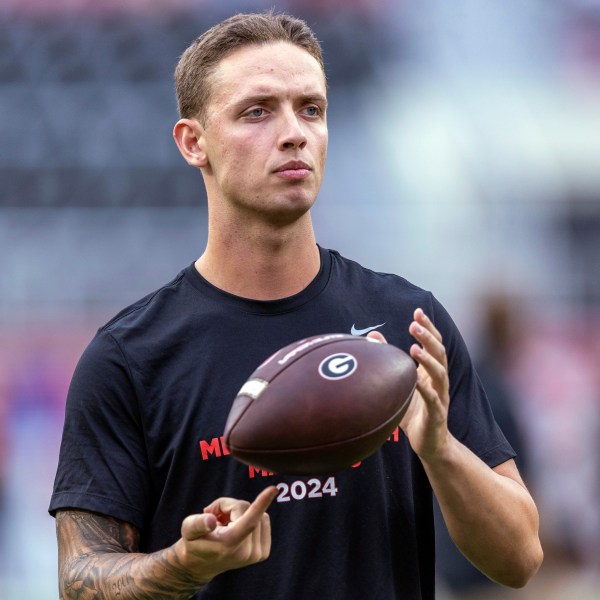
(289, 207)
(288, 215)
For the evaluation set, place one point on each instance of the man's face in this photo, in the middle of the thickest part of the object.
(265, 134)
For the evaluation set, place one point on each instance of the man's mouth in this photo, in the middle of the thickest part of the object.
(294, 169)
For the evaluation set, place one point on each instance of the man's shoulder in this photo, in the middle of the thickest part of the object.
(152, 308)
(352, 271)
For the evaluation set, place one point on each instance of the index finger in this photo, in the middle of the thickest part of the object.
(423, 320)
(252, 517)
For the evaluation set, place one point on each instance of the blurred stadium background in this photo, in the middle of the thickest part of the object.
(464, 155)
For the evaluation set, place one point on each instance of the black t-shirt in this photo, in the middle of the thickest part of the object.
(147, 406)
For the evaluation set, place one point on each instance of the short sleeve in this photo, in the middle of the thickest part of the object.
(102, 463)
(470, 417)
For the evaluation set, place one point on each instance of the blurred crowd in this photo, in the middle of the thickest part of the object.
(464, 155)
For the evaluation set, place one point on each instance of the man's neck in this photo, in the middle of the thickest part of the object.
(265, 265)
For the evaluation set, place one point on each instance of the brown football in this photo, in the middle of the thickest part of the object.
(320, 405)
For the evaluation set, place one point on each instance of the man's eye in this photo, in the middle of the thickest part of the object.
(256, 112)
(312, 111)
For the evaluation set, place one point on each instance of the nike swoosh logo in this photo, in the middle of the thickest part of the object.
(355, 331)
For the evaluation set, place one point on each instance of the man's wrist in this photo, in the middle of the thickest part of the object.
(444, 455)
(179, 562)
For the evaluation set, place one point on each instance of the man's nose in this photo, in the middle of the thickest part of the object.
(292, 132)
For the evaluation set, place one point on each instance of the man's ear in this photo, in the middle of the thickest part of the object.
(189, 137)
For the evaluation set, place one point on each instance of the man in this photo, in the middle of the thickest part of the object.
(147, 501)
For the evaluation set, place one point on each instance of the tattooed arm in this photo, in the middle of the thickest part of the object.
(98, 557)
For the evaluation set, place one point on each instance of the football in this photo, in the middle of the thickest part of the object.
(320, 405)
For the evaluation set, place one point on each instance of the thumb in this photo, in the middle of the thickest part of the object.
(376, 335)
(197, 526)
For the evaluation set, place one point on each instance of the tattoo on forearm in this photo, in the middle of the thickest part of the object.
(98, 560)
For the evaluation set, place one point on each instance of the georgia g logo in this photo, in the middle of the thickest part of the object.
(338, 366)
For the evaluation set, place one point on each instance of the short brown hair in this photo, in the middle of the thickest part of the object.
(200, 59)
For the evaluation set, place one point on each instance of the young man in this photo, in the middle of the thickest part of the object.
(147, 501)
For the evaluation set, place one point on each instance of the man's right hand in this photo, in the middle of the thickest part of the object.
(229, 534)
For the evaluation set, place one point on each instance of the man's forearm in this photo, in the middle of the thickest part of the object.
(126, 577)
(104, 569)
(99, 560)
(489, 514)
